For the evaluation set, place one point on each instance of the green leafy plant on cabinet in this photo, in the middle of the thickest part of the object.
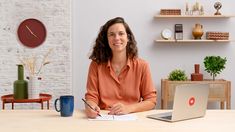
(214, 65)
(177, 75)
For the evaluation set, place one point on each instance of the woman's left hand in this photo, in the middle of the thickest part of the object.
(119, 109)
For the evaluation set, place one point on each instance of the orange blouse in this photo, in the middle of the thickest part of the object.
(133, 84)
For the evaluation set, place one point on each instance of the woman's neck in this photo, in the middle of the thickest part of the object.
(119, 59)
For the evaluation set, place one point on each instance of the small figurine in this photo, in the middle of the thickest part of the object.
(196, 9)
(187, 9)
(197, 6)
(217, 6)
(201, 10)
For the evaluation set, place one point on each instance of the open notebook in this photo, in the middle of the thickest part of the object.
(105, 117)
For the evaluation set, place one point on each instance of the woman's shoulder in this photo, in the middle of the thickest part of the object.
(96, 64)
(93, 63)
(139, 61)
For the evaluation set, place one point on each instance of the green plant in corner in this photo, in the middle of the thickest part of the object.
(214, 65)
(177, 75)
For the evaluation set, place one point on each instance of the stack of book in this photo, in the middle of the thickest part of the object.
(217, 35)
(170, 12)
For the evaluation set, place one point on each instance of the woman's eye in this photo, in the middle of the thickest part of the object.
(110, 35)
(118, 34)
(121, 34)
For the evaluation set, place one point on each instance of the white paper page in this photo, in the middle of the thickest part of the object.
(128, 117)
(103, 117)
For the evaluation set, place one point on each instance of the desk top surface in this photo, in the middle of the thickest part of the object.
(50, 121)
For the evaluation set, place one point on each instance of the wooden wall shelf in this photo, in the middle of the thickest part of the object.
(191, 41)
(193, 16)
(189, 17)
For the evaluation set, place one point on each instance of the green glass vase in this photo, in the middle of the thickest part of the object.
(20, 85)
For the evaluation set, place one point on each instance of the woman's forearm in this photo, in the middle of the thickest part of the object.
(142, 106)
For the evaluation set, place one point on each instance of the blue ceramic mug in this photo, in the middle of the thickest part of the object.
(66, 105)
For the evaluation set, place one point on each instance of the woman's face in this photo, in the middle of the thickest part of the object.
(117, 37)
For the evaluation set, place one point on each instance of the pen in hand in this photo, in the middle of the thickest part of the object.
(90, 107)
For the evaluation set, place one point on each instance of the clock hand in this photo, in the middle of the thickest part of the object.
(31, 31)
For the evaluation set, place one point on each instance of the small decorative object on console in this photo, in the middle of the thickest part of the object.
(197, 76)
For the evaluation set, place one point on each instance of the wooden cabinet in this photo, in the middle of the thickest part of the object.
(185, 17)
(220, 91)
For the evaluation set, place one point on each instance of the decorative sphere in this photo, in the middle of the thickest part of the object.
(217, 5)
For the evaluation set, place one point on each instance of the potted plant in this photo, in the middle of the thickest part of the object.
(214, 65)
(177, 75)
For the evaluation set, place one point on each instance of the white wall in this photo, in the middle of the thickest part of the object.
(89, 15)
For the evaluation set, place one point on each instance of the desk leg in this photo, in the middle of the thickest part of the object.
(228, 102)
(42, 105)
(48, 104)
(3, 105)
(164, 92)
(12, 105)
(221, 105)
(164, 102)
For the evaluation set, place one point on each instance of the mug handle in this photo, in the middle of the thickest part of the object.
(58, 110)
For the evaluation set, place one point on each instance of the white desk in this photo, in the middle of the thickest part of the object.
(50, 121)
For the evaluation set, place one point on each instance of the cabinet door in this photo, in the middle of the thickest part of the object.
(217, 92)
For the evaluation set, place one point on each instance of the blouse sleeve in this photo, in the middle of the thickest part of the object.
(148, 90)
(92, 93)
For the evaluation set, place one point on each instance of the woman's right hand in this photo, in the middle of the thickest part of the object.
(92, 113)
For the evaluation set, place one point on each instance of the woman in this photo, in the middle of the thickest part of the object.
(118, 80)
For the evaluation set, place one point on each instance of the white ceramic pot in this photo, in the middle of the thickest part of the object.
(34, 87)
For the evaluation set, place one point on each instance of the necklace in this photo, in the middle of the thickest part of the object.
(117, 68)
(117, 71)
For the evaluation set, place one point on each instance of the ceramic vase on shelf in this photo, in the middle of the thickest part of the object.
(34, 87)
(197, 31)
(196, 76)
(20, 85)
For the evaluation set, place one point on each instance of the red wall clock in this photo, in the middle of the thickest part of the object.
(31, 33)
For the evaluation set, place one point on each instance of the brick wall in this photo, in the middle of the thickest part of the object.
(55, 14)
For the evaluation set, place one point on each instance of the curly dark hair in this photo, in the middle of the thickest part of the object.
(102, 52)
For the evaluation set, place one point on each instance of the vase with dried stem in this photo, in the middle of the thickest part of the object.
(34, 66)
